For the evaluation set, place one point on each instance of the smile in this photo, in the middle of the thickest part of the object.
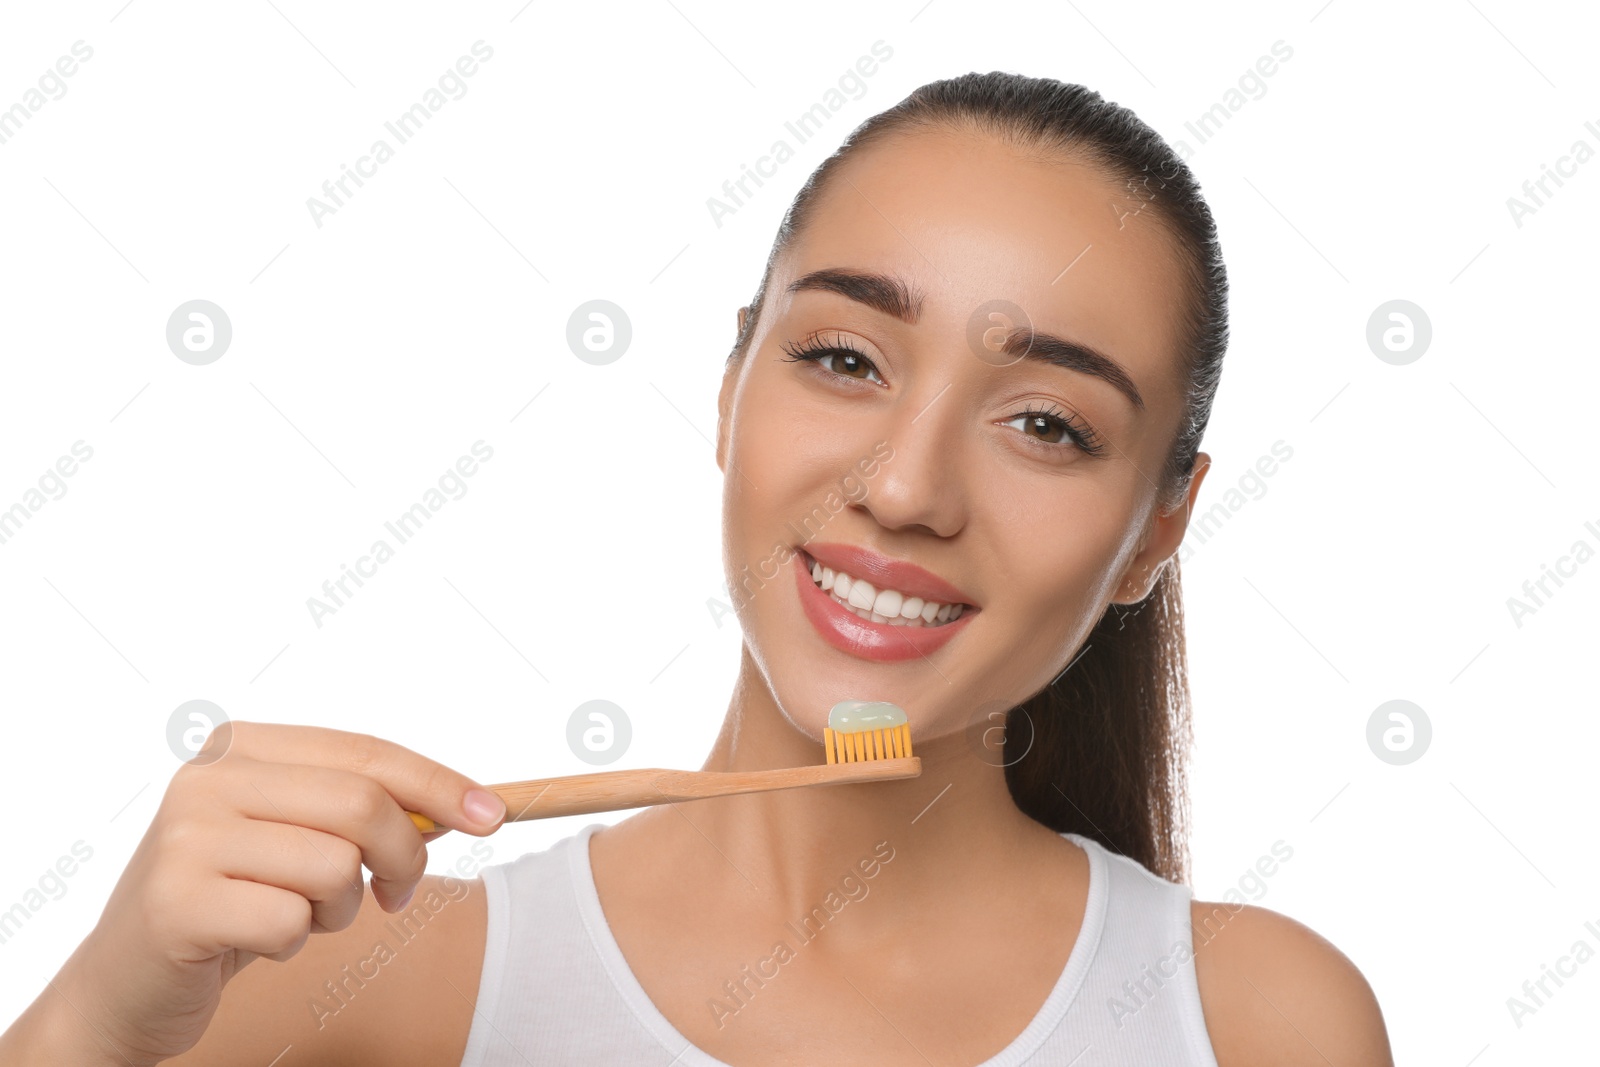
(875, 619)
(882, 605)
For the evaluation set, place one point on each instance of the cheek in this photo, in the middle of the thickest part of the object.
(787, 460)
(778, 482)
(1059, 555)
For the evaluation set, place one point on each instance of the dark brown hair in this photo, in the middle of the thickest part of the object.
(1103, 749)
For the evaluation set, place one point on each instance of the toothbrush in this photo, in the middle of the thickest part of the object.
(864, 741)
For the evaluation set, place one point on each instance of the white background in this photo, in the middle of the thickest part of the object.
(426, 314)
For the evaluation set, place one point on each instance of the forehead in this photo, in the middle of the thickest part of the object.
(968, 220)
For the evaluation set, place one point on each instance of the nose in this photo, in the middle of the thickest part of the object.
(921, 487)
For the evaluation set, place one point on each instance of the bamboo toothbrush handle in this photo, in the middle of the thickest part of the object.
(583, 794)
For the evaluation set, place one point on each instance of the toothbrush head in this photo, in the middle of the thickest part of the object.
(861, 730)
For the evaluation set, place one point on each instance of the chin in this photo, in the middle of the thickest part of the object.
(806, 707)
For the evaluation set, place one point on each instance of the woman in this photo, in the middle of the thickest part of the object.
(959, 432)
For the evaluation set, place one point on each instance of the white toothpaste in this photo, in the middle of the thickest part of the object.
(852, 716)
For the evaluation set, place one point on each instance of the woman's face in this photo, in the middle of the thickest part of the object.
(909, 441)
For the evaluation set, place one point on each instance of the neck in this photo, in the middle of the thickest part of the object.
(952, 830)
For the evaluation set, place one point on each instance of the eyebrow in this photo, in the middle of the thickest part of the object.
(892, 296)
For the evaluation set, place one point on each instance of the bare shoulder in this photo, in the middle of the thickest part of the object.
(394, 989)
(1274, 991)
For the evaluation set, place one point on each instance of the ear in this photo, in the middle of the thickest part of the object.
(730, 376)
(1165, 536)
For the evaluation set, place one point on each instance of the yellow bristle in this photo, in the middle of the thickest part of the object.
(883, 743)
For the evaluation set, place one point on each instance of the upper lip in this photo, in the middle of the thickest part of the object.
(886, 573)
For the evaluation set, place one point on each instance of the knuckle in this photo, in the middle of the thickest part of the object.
(288, 921)
(328, 885)
(340, 911)
(189, 779)
(364, 753)
(345, 857)
(181, 835)
(284, 955)
(368, 801)
(339, 869)
(203, 786)
(221, 740)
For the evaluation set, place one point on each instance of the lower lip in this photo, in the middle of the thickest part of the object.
(849, 632)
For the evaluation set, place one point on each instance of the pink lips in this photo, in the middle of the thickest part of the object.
(886, 573)
(882, 642)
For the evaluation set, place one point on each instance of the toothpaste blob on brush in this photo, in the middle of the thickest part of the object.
(866, 730)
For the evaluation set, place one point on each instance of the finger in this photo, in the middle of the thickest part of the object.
(236, 913)
(341, 803)
(319, 866)
(420, 784)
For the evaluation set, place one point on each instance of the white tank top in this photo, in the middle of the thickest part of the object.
(556, 989)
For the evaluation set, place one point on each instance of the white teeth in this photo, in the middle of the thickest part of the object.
(882, 606)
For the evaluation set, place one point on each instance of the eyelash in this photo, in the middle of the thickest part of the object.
(815, 350)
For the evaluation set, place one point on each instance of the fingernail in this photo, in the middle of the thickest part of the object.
(483, 807)
(401, 905)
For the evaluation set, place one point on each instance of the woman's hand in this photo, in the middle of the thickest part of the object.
(250, 852)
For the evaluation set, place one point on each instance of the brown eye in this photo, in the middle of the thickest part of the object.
(1053, 431)
(850, 364)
